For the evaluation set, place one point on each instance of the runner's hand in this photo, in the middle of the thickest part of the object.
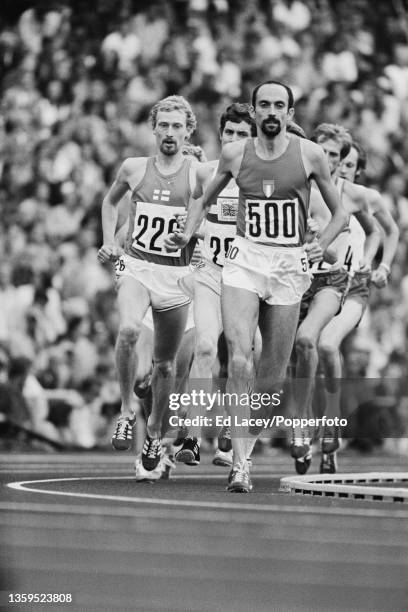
(330, 256)
(380, 277)
(365, 267)
(314, 251)
(109, 252)
(175, 241)
(312, 229)
(181, 220)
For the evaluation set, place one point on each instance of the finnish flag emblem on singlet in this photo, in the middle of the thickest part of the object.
(268, 187)
(162, 195)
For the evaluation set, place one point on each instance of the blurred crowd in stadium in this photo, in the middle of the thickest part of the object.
(77, 80)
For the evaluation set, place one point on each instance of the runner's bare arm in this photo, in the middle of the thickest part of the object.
(204, 174)
(110, 250)
(201, 203)
(228, 165)
(357, 197)
(120, 236)
(195, 210)
(390, 237)
(316, 167)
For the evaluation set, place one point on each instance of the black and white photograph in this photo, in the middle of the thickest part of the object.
(204, 305)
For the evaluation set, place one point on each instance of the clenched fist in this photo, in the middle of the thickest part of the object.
(109, 252)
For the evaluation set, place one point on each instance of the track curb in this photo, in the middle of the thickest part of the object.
(347, 486)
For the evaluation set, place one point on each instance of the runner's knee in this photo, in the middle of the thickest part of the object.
(205, 349)
(129, 333)
(327, 349)
(164, 367)
(240, 365)
(304, 344)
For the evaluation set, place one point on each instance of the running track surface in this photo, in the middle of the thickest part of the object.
(188, 546)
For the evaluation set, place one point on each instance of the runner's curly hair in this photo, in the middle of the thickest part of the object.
(172, 103)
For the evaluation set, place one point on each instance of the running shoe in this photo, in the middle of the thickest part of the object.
(224, 439)
(222, 458)
(143, 475)
(123, 436)
(330, 441)
(231, 476)
(181, 436)
(143, 389)
(189, 452)
(328, 463)
(301, 451)
(167, 464)
(239, 480)
(151, 453)
(330, 446)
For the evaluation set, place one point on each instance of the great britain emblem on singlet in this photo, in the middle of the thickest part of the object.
(268, 187)
(227, 209)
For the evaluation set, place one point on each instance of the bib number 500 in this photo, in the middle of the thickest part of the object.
(274, 221)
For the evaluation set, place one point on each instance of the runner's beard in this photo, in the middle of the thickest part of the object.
(168, 148)
(270, 130)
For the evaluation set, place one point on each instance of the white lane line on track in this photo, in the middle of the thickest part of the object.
(369, 512)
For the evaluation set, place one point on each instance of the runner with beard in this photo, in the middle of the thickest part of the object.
(147, 274)
(266, 269)
(203, 285)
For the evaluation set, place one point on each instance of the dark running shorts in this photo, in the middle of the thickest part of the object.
(360, 288)
(338, 282)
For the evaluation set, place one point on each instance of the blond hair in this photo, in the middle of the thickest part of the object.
(333, 131)
(172, 103)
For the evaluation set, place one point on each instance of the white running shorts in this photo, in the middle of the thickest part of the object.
(278, 275)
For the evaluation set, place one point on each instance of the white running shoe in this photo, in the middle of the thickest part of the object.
(222, 458)
(143, 475)
(167, 462)
(239, 480)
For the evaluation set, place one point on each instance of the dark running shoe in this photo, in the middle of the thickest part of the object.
(189, 452)
(123, 436)
(182, 434)
(330, 440)
(151, 453)
(144, 388)
(224, 440)
(328, 463)
(301, 451)
(330, 446)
